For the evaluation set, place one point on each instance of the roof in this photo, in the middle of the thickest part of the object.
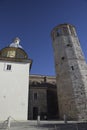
(13, 52)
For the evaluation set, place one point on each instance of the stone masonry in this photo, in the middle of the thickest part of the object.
(43, 97)
(71, 73)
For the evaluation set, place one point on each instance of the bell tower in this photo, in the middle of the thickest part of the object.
(71, 72)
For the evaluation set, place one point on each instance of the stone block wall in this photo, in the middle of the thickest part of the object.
(71, 72)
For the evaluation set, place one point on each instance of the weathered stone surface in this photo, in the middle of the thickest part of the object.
(71, 72)
(43, 97)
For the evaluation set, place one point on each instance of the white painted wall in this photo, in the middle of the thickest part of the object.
(14, 85)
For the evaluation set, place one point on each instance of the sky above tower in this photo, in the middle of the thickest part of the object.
(33, 20)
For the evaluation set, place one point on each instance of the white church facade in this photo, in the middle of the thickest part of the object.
(14, 82)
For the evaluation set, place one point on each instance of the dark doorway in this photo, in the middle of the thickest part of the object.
(35, 113)
(53, 112)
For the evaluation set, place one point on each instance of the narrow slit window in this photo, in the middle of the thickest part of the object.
(45, 79)
(72, 67)
(69, 45)
(65, 31)
(63, 58)
(35, 96)
(58, 32)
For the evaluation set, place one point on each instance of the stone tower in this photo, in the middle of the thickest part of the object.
(71, 72)
(14, 81)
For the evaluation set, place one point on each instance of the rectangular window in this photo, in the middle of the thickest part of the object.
(65, 31)
(72, 67)
(58, 32)
(63, 58)
(35, 96)
(8, 67)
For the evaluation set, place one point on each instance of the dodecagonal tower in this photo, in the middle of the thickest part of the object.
(71, 72)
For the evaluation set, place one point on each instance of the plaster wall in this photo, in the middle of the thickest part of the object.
(14, 85)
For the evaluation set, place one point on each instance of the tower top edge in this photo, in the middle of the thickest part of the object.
(66, 24)
(62, 25)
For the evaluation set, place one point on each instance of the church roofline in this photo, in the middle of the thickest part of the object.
(40, 75)
(16, 60)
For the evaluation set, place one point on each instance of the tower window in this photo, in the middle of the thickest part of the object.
(72, 31)
(63, 58)
(45, 79)
(69, 45)
(72, 67)
(65, 31)
(58, 32)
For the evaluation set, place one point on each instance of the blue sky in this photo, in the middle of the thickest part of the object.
(33, 20)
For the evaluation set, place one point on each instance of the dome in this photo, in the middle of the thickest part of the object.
(14, 51)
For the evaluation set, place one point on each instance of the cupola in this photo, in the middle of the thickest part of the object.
(14, 51)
